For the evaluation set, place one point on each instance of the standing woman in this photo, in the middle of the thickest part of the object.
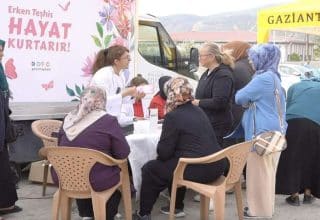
(299, 167)
(261, 170)
(8, 193)
(108, 74)
(242, 73)
(215, 89)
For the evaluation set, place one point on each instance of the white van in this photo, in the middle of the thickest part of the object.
(47, 47)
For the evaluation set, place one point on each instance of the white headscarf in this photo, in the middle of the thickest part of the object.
(92, 106)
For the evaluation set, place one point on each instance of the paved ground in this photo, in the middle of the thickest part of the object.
(36, 207)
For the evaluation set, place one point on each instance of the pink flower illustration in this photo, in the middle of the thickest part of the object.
(124, 26)
(10, 69)
(123, 6)
(88, 64)
(119, 41)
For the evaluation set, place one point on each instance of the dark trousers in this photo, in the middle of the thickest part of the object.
(86, 210)
(158, 175)
(8, 193)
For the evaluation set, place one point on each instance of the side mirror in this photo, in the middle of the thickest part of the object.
(194, 59)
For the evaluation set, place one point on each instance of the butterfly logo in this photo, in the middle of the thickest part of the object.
(48, 85)
(66, 7)
(10, 69)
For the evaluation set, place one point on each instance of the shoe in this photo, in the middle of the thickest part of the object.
(308, 199)
(231, 191)
(9, 211)
(247, 215)
(293, 200)
(136, 216)
(196, 198)
(179, 213)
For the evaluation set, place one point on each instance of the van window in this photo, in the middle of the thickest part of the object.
(156, 46)
(169, 51)
(149, 46)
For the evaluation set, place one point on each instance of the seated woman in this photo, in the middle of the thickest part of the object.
(137, 105)
(190, 138)
(159, 100)
(90, 126)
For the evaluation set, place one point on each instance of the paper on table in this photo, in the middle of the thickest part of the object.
(147, 89)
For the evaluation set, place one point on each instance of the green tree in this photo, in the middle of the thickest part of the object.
(317, 48)
(294, 57)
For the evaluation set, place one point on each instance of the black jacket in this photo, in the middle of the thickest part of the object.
(215, 92)
(242, 74)
(186, 132)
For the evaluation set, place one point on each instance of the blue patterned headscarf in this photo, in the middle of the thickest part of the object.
(265, 57)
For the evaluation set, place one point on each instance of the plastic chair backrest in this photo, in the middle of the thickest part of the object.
(73, 165)
(237, 156)
(44, 129)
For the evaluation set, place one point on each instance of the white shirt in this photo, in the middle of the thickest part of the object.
(114, 84)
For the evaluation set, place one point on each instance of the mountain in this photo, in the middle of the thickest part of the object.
(240, 20)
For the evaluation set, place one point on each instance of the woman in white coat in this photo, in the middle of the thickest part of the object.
(108, 73)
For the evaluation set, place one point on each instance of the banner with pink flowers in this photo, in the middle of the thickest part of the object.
(51, 45)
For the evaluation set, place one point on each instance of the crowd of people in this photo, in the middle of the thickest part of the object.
(235, 93)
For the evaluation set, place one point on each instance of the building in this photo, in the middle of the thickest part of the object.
(290, 43)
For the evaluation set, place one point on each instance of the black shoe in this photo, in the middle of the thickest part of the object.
(136, 216)
(308, 199)
(293, 200)
(9, 211)
(179, 213)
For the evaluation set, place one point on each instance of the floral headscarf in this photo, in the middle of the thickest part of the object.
(265, 57)
(179, 91)
(92, 101)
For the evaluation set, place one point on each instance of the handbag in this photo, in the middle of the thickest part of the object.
(270, 141)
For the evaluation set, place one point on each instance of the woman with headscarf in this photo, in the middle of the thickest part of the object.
(242, 73)
(215, 90)
(90, 126)
(190, 138)
(7, 185)
(258, 97)
(159, 100)
(299, 167)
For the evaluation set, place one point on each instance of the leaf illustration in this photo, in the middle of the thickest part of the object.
(74, 100)
(100, 29)
(78, 90)
(70, 91)
(96, 41)
(107, 40)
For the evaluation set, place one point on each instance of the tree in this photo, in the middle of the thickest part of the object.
(317, 48)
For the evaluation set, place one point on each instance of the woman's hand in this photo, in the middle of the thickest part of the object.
(140, 95)
(195, 102)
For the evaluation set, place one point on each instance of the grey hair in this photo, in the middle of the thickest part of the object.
(221, 57)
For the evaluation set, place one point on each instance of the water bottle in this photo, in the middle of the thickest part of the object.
(153, 118)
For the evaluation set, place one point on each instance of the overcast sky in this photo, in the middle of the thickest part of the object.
(200, 7)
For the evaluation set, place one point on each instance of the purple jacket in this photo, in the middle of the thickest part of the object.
(104, 135)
